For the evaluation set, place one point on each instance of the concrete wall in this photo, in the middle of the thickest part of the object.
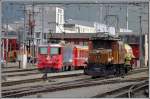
(80, 29)
(85, 29)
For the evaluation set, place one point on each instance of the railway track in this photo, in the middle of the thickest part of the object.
(50, 87)
(22, 73)
(32, 80)
(126, 91)
(17, 70)
(20, 92)
(135, 88)
(8, 67)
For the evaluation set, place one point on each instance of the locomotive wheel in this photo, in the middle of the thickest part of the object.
(94, 77)
(126, 70)
(122, 70)
(70, 68)
(63, 68)
(117, 71)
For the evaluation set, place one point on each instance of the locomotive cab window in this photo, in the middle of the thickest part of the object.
(101, 44)
(43, 50)
(55, 50)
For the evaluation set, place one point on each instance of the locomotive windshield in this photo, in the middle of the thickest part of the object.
(43, 50)
(101, 44)
(54, 50)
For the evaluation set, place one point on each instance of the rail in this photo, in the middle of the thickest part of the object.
(60, 86)
(137, 86)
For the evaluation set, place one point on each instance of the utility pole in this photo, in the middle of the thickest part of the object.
(101, 13)
(117, 22)
(30, 33)
(107, 13)
(42, 33)
(6, 31)
(127, 16)
(141, 50)
(24, 34)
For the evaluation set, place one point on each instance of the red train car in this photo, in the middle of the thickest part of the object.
(135, 49)
(80, 56)
(12, 47)
(61, 57)
(136, 53)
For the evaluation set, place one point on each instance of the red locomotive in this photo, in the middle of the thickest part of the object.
(60, 57)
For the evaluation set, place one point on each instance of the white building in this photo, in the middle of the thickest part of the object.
(78, 26)
(112, 30)
(47, 19)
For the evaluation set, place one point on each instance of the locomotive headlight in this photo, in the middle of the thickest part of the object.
(70, 60)
(110, 59)
(48, 58)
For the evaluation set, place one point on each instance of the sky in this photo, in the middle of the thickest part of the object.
(92, 13)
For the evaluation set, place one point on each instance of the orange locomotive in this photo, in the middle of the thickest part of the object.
(107, 56)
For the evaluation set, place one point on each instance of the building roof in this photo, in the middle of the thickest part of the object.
(80, 35)
(80, 22)
(71, 35)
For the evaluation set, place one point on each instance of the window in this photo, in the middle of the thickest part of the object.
(77, 30)
(76, 42)
(85, 43)
(45, 35)
(43, 50)
(38, 35)
(61, 19)
(54, 50)
(57, 18)
(59, 11)
(38, 41)
(80, 30)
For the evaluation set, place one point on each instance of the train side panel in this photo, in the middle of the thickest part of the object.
(121, 52)
(67, 56)
(80, 56)
(100, 57)
(118, 52)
